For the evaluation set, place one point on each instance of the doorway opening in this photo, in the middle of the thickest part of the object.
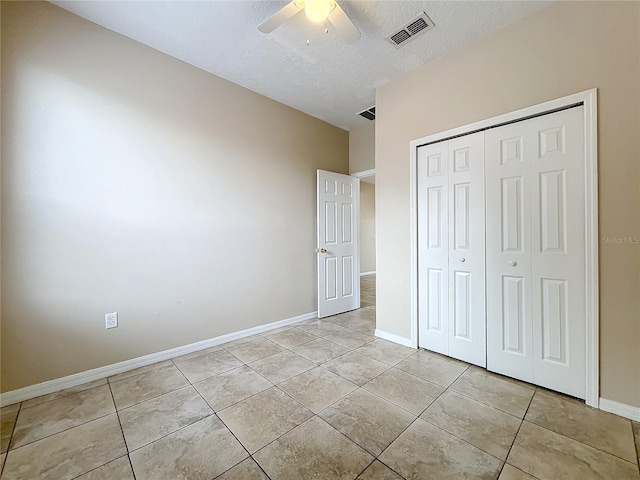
(367, 223)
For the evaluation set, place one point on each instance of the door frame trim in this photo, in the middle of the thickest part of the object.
(588, 99)
(364, 173)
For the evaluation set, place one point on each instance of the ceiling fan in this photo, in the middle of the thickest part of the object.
(316, 11)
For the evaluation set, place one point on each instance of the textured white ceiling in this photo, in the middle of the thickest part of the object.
(328, 79)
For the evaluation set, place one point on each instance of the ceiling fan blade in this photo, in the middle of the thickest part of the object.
(278, 18)
(344, 25)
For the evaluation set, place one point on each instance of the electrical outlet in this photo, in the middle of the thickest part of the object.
(111, 320)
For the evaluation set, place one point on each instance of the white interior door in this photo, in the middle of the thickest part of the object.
(467, 325)
(451, 299)
(433, 247)
(509, 314)
(536, 250)
(558, 252)
(337, 250)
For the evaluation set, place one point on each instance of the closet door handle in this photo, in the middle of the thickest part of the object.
(513, 263)
(462, 259)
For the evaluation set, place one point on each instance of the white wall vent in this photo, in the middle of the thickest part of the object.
(369, 113)
(415, 27)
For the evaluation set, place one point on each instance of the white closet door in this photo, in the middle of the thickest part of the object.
(558, 252)
(467, 322)
(509, 324)
(535, 251)
(433, 247)
(451, 248)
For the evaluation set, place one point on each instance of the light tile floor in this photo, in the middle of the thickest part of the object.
(323, 399)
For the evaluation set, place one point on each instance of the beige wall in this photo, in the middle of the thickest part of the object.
(362, 148)
(134, 182)
(562, 49)
(367, 227)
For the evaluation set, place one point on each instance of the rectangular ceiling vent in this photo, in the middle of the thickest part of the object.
(415, 27)
(369, 114)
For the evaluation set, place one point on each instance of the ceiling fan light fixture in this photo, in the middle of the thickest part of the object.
(316, 10)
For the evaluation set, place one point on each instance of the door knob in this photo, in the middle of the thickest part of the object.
(463, 259)
(321, 250)
(513, 263)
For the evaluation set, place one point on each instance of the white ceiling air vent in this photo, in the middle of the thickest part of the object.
(369, 113)
(415, 27)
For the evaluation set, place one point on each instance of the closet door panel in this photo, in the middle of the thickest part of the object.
(558, 251)
(508, 255)
(536, 250)
(433, 248)
(467, 321)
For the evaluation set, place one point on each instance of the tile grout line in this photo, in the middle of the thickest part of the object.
(313, 414)
(273, 385)
(221, 420)
(334, 428)
(448, 389)
(298, 401)
(393, 470)
(346, 379)
(417, 417)
(110, 378)
(396, 438)
(370, 380)
(170, 433)
(21, 407)
(636, 440)
(175, 431)
(448, 433)
(580, 442)
(393, 403)
(520, 470)
(239, 401)
(234, 436)
(248, 366)
(62, 396)
(365, 468)
(100, 466)
(486, 404)
(377, 457)
(469, 443)
(349, 350)
(571, 438)
(304, 406)
(518, 431)
(150, 398)
(13, 430)
(124, 440)
(56, 433)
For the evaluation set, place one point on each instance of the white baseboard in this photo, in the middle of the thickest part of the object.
(622, 409)
(393, 338)
(51, 386)
(362, 274)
